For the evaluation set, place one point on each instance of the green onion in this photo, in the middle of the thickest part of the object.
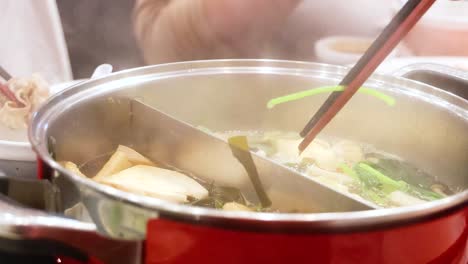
(388, 184)
(326, 89)
(380, 176)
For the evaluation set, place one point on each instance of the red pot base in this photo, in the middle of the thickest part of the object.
(443, 240)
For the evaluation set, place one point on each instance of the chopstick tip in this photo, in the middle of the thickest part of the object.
(4, 74)
(302, 146)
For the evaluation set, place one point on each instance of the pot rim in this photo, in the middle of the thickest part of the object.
(326, 222)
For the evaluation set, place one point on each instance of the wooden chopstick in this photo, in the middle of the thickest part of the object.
(5, 90)
(4, 74)
(393, 33)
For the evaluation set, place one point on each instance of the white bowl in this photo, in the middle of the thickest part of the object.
(343, 50)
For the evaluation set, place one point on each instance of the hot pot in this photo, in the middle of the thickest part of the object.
(427, 126)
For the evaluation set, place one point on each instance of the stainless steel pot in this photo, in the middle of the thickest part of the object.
(427, 126)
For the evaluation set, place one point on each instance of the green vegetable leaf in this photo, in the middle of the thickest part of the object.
(373, 178)
(326, 89)
(380, 176)
(401, 170)
(366, 186)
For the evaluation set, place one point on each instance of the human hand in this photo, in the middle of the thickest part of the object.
(206, 29)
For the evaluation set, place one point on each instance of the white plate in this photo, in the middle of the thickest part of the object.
(14, 144)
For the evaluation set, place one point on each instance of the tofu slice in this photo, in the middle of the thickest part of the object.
(135, 157)
(117, 162)
(156, 182)
(123, 158)
(73, 168)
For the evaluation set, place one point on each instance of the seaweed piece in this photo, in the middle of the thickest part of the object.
(240, 150)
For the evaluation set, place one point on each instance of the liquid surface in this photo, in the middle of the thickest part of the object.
(349, 167)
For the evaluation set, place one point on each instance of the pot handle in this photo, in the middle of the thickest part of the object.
(444, 77)
(40, 233)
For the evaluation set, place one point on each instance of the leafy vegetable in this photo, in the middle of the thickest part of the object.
(376, 180)
(326, 89)
(418, 182)
(366, 191)
(373, 178)
(401, 170)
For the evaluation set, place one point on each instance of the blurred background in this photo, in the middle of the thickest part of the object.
(97, 32)
(102, 31)
(67, 39)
